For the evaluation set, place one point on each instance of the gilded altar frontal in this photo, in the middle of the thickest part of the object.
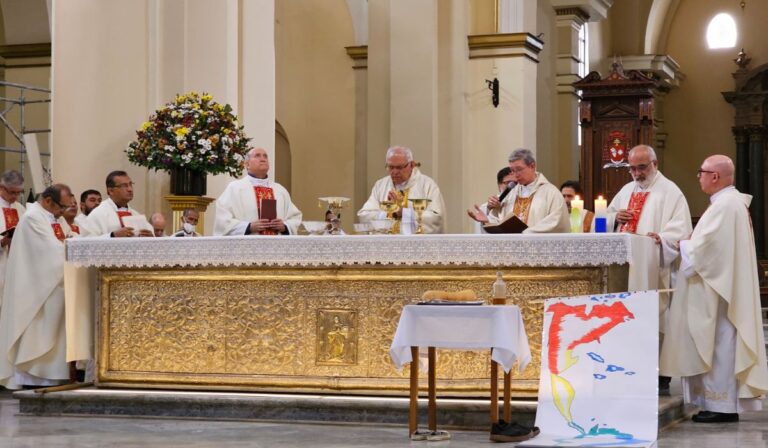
(303, 329)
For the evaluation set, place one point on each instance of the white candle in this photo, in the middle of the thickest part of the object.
(600, 206)
(577, 205)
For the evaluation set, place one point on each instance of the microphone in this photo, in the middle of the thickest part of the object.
(506, 191)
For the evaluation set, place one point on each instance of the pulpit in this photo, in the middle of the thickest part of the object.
(616, 113)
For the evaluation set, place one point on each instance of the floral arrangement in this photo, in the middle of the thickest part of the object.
(192, 132)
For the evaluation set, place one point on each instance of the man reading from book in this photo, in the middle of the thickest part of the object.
(534, 200)
(256, 205)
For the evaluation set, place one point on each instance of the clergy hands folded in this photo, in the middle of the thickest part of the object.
(125, 232)
(655, 237)
(265, 224)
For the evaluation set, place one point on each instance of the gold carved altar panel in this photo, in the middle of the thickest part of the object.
(301, 329)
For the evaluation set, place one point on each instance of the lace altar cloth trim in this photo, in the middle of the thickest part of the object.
(471, 250)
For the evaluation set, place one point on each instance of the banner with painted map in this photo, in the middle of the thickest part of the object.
(599, 371)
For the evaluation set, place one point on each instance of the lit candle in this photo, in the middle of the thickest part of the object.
(600, 221)
(577, 205)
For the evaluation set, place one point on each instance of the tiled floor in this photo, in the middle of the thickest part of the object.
(83, 432)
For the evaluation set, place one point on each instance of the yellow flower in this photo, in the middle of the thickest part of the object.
(218, 107)
(206, 97)
(195, 106)
(182, 131)
(146, 125)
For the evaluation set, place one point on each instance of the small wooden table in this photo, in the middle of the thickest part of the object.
(497, 327)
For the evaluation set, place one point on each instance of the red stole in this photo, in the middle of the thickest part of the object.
(11, 216)
(263, 193)
(75, 228)
(57, 230)
(120, 214)
(635, 207)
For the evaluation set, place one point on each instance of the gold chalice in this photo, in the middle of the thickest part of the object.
(419, 205)
(334, 204)
(390, 207)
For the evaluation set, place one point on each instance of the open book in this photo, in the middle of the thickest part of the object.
(513, 224)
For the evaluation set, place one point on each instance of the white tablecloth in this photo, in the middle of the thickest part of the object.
(462, 327)
(551, 249)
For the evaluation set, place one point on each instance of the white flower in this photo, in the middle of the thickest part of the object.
(169, 148)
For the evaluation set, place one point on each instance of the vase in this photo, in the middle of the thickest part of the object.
(186, 182)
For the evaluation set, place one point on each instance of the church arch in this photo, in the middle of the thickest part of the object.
(657, 28)
(282, 157)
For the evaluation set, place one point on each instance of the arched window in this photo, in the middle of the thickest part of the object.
(721, 32)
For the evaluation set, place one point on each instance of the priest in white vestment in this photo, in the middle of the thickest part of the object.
(239, 208)
(403, 183)
(505, 182)
(32, 334)
(67, 220)
(89, 200)
(534, 200)
(106, 220)
(11, 187)
(715, 340)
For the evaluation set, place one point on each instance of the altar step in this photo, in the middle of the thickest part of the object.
(452, 413)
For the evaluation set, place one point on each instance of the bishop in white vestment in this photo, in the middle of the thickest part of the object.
(534, 200)
(239, 208)
(11, 186)
(715, 340)
(106, 220)
(405, 182)
(32, 334)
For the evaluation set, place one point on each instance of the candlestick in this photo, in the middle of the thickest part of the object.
(600, 216)
(577, 205)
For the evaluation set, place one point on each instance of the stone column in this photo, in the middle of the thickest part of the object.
(359, 55)
(569, 22)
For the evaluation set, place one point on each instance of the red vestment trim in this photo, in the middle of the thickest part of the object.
(57, 230)
(263, 193)
(120, 215)
(75, 228)
(635, 207)
(11, 216)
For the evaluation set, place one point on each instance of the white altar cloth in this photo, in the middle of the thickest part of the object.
(464, 327)
(497, 251)
(587, 249)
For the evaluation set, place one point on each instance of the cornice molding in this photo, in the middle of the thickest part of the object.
(25, 51)
(572, 11)
(359, 56)
(504, 46)
(595, 10)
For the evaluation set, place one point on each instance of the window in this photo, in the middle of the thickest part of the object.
(721, 32)
(583, 70)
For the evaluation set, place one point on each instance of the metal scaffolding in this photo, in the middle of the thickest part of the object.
(11, 104)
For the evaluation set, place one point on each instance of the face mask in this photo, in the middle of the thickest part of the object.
(188, 228)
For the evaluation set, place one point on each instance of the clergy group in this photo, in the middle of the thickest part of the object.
(711, 324)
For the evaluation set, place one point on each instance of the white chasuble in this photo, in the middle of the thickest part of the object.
(418, 186)
(32, 340)
(105, 219)
(716, 335)
(665, 212)
(237, 207)
(12, 212)
(546, 212)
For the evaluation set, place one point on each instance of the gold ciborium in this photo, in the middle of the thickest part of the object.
(419, 205)
(334, 204)
(390, 207)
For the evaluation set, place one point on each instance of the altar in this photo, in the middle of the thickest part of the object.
(316, 313)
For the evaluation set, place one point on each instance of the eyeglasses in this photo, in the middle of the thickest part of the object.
(699, 172)
(639, 167)
(397, 167)
(125, 185)
(13, 191)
